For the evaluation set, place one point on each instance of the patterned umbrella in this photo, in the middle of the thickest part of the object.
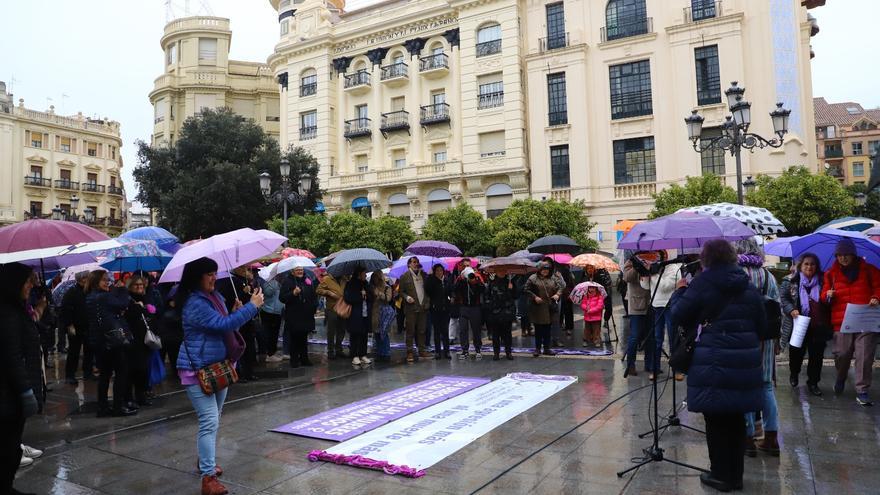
(577, 294)
(161, 236)
(135, 255)
(758, 219)
(436, 249)
(597, 260)
(555, 244)
(305, 253)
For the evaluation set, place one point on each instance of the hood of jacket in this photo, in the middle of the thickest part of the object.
(728, 279)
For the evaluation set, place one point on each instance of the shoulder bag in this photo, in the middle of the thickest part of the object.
(151, 340)
(213, 377)
(114, 338)
(683, 355)
(342, 309)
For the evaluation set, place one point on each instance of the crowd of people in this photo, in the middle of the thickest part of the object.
(214, 332)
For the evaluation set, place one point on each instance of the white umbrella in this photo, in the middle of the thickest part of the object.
(759, 220)
(288, 264)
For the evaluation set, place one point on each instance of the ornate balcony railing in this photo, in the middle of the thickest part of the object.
(357, 127)
(436, 113)
(436, 61)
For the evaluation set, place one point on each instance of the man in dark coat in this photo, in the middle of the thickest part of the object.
(75, 321)
(725, 376)
(300, 301)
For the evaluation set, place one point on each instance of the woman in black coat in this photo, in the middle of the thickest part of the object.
(806, 281)
(300, 303)
(725, 377)
(357, 293)
(139, 319)
(439, 288)
(19, 362)
(501, 298)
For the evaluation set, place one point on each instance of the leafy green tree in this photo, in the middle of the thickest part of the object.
(703, 190)
(871, 209)
(526, 220)
(392, 235)
(462, 226)
(305, 231)
(801, 200)
(349, 230)
(207, 182)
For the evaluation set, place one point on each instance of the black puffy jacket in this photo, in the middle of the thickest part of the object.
(726, 374)
(20, 358)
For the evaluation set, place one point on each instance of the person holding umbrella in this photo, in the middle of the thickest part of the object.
(331, 290)
(603, 278)
(593, 303)
(501, 298)
(415, 308)
(851, 280)
(440, 288)
(75, 321)
(359, 296)
(238, 289)
(300, 301)
(19, 358)
(470, 293)
(544, 292)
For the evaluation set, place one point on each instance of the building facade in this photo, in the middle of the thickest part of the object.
(199, 74)
(52, 162)
(413, 106)
(846, 137)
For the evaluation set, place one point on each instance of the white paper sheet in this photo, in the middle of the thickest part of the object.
(861, 318)
(799, 331)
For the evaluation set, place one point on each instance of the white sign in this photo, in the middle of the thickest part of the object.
(860, 318)
(799, 330)
(423, 438)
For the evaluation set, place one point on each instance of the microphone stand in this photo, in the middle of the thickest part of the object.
(655, 453)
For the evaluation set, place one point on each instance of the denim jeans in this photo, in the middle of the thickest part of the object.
(637, 327)
(769, 413)
(208, 409)
(663, 325)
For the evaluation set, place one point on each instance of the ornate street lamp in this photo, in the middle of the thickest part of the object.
(89, 215)
(735, 133)
(749, 185)
(295, 195)
(861, 199)
(57, 213)
(74, 204)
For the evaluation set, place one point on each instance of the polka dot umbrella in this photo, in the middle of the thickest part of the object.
(759, 220)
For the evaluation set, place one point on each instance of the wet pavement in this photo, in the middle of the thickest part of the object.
(829, 444)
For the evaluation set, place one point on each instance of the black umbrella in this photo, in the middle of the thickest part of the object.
(555, 244)
(346, 261)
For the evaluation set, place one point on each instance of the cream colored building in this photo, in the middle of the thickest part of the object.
(199, 74)
(47, 159)
(576, 100)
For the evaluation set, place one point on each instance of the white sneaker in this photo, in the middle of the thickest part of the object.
(366, 360)
(462, 356)
(356, 361)
(274, 358)
(478, 356)
(25, 461)
(285, 357)
(30, 451)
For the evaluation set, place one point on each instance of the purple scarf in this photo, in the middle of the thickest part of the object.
(809, 290)
(233, 340)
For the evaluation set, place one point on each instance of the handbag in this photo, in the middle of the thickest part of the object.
(151, 340)
(116, 338)
(342, 309)
(214, 377)
(683, 355)
(820, 320)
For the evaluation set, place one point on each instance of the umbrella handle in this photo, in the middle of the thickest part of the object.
(232, 283)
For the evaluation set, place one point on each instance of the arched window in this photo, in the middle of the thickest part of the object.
(308, 82)
(438, 200)
(362, 205)
(489, 39)
(624, 18)
(398, 205)
(498, 198)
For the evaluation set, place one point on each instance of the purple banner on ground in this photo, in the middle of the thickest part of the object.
(351, 420)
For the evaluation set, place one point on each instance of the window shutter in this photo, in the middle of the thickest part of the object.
(207, 49)
(492, 143)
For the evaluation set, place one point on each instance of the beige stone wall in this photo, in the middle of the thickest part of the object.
(19, 158)
(188, 84)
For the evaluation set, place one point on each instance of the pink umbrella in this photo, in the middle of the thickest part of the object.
(39, 233)
(305, 253)
(229, 250)
(563, 258)
(451, 261)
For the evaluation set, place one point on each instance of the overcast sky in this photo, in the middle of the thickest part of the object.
(104, 54)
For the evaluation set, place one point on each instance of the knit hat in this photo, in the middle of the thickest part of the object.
(845, 246)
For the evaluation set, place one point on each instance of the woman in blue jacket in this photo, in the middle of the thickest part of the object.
(205, 321)
(725, 377)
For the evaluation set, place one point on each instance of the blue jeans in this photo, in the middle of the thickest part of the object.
(663, 325)
(637, 327)
(208, 409)
(769, 414)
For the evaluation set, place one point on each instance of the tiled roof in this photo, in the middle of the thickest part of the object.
(840, 114)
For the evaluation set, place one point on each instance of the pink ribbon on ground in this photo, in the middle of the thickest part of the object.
(366, 463)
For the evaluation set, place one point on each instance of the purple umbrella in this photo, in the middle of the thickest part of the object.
(428, 262)
(524, 253)
(39, 233)
(437, 249)
(823, 244)
(683, 230)
(229, 250)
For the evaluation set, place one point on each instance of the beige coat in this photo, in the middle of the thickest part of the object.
(545, 288)
(331, 290)
(408, 288)
(637, 296)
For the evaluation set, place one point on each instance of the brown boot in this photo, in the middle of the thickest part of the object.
(770, 443)
(210, 486)
(751, 450)
(409, 357)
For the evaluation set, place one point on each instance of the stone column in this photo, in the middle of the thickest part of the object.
(453, 96)
(414, 99)
(378, 160)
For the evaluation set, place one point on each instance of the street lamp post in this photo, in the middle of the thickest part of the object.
(290, 192)
(735, 133)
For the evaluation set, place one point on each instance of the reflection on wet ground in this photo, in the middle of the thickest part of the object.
(829, 444)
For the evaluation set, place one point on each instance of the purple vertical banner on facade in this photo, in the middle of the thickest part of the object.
(351, 420)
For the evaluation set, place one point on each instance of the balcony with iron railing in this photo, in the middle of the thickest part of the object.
(487, 48)
(37, 181)
(66, 184)
(394, 121)
(308, 89)
(357, 128)
(627, 28)
(436, 113)
(702, 11)
(93, 187)
(833, 153)
(554, 42)
(395, 74)
(115, 222)
(115, 190)
(490, 100)
(436, 65)
(358, 82)
(308, 132)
